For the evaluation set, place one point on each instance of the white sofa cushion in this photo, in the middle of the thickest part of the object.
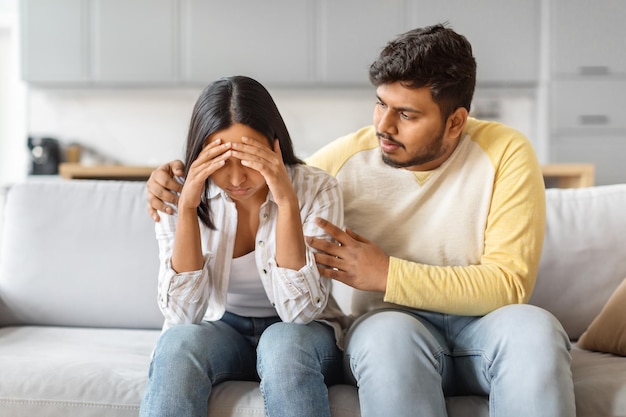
(584, 253)
(54, 371)
(79, 253)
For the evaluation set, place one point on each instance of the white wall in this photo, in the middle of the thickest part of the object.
(148, 127)
(140, 126)
(13, 155)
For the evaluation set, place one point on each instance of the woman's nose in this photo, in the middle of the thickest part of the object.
(237, 174)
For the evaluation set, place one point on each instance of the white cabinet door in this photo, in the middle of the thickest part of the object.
(504, 34)
(269, 40)
(134, 41)
(588, 104)
(605, 152)
(351, 34)
(588, 38)
(54, 41)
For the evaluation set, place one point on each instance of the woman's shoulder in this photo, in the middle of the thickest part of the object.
(308, 176)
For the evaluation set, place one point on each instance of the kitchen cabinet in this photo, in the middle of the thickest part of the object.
(99, 42)
(270, 41)
(55, 41)
(587, 69)
(134, 42)
(506, 48)
(589, 125)
(589, 104)
(588, 38)
(351, 34)
(605, 152)
(279, 42)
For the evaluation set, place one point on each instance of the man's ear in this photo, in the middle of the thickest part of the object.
(456, 122)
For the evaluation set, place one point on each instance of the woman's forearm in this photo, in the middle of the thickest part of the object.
(187, 252)
(290, 246)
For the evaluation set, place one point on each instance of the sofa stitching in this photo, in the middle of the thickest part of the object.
(69, 404)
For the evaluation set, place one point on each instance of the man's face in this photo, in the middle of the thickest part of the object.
(410, 128)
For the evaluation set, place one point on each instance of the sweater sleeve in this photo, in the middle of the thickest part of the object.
(508, 265)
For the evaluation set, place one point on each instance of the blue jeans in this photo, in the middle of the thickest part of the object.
(294, 363)
(406, 362)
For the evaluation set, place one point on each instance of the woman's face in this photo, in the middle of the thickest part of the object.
(239, 182)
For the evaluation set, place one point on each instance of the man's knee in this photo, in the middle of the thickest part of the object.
(526, 323)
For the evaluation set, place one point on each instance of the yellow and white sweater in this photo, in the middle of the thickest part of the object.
(464, 238)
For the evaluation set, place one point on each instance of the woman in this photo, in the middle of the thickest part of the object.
(239, 288)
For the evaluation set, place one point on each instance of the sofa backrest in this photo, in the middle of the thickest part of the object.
(83, 253)
(78, 253)
(584, 253)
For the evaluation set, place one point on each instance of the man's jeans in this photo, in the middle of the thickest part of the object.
(405, 362)
(295, 362)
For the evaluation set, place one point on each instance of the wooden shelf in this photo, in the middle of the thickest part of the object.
(555, 175)
(568, 175)
(76, 171)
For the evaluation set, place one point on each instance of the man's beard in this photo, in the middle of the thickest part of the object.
(433, 151)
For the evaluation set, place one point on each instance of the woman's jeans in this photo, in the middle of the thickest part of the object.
(405, 362)
(295, 362)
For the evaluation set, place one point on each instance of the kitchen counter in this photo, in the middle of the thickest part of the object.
(76, 171)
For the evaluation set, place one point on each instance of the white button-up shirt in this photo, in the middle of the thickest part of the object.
(298, 296)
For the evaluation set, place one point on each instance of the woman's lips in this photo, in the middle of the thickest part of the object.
(237, 191)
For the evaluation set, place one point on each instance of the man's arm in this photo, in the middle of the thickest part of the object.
(161, 188)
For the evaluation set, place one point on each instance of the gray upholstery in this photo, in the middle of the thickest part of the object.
(78, 315)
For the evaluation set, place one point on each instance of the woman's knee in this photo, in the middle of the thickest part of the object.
(282, 339)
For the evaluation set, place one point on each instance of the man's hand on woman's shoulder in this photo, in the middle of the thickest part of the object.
(161, 188)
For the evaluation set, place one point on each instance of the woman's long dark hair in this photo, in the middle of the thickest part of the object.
(224, 103)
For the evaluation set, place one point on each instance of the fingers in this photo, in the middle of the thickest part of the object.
(323, 245)
(329, 261)
(356, 236)
(334, 231)
(335, 274)
(177, 167)
(211, 158)
(154, 214)
(251, 151)
(160, 188)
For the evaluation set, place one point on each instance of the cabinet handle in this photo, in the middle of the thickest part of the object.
(593, 119)
(594, 70)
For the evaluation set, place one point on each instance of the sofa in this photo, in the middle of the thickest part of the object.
(79, 317)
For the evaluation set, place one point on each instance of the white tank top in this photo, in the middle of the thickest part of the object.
(246, 295)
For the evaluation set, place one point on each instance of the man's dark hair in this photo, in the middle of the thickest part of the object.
(435, 57)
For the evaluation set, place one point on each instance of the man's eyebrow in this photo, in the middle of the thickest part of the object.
(402, 108)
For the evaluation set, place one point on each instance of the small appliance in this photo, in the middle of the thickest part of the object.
(45, 154)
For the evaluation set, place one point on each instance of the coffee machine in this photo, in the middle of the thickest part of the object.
(45, 155)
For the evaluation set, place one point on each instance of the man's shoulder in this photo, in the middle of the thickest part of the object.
(495, 137)
(490, 130)
(334, 155)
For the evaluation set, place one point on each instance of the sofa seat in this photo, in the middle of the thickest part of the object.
(65, 371)
(70, 371)
(599, 383)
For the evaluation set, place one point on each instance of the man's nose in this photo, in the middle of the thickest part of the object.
(386, 122)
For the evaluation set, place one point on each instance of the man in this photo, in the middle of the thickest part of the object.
(445, 219)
